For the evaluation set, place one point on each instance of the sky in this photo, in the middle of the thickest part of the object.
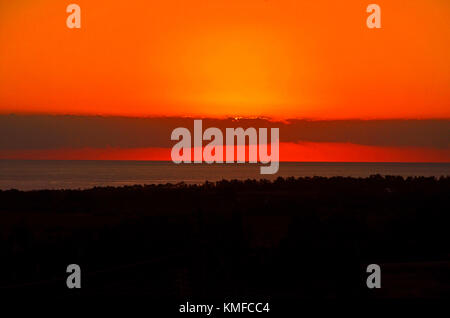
(283, 60)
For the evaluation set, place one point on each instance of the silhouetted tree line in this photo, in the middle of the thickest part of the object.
(290, 238)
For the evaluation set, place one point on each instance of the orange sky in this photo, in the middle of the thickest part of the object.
(215, 58)
(281, 58)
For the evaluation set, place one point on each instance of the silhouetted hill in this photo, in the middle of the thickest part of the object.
(290, 238)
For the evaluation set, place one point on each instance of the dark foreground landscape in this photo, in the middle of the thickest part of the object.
(290, 238)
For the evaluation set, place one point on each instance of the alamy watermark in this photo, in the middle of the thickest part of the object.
(373, 21)
(213, 152)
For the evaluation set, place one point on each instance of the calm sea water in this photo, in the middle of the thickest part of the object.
(49, 174)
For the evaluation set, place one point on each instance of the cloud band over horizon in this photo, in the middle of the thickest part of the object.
(78, 137)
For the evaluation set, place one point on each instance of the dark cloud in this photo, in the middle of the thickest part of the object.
(54, 132)
(415, 133)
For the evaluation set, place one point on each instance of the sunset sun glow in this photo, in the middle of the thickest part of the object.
(219, 59)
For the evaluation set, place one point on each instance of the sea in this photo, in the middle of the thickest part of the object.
(82, 174)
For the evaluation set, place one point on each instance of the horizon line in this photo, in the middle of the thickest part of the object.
(228, 163)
